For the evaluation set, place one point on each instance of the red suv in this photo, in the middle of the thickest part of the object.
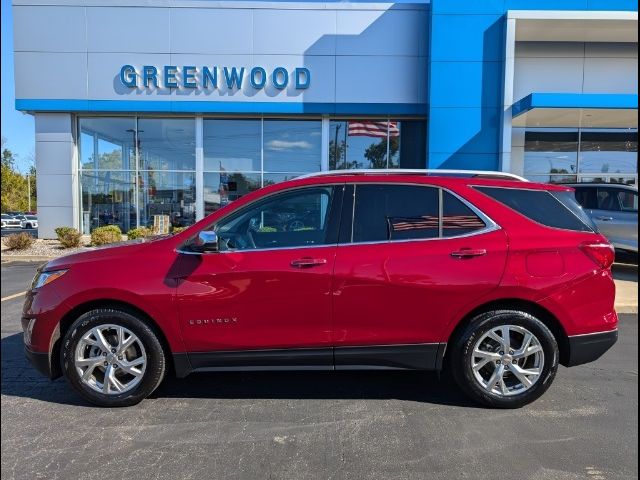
(496, 281)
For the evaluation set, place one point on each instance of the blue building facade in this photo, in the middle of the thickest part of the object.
(202, 101)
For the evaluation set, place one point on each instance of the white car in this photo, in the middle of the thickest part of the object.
(29, 221)
(10, 222)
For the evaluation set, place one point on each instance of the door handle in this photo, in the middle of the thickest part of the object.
(605, 219)
(469, 253)
(308, 262)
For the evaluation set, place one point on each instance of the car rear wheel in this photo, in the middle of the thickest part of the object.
(112, 358)
(505, 358)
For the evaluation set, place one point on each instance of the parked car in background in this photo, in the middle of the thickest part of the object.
(9, 221)
(614, 209)
(29, 221)
(494, 281)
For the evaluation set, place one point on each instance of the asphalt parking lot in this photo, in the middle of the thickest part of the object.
(317, 425)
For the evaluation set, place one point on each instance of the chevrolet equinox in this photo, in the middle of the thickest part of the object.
(493, 280)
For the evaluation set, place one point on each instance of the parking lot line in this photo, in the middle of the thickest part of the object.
(11, 297)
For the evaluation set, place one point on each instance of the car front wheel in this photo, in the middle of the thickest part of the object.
(505, 358)
(112, 358)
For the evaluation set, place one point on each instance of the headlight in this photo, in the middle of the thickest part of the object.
(43, 278)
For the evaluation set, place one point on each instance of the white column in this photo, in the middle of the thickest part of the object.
(57, 173)
(324, 149)
(507, 88)
(199, 168)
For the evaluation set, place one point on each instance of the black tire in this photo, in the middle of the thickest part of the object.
(459, 358)
(155, 362)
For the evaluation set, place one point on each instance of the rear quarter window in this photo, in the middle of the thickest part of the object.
(540, 206)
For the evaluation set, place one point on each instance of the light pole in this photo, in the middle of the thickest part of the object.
(29, 191)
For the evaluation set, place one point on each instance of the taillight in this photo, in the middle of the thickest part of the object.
(602, 253)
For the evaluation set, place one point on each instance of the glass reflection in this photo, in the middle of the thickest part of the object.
(609, 152)
(167, 193)
(292, 145)
(107, 199)
(552, 178)
(232, 145)
(552, 152)
(222, 188)
(167, 143)
(106, 143)
(360, 143)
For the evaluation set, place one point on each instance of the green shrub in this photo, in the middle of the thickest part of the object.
(69, 238)
(140, 232)
(19, 241)
(267, 229)
(178, 229)
(60, 231)
(105, 235)
(111, 228)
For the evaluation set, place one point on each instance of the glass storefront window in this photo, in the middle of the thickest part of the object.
(550, 152)
(292, 145)
(135, 168)
(167, 193)
(557, 156)
(273, 178)
(232, 145)
(608, 152)
(108, 198)
(106, 143)
(374, 143)
(553, 178)
(167, 143)
(358, 143)
(221, 188)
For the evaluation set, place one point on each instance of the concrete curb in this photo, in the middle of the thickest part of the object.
(633, 309)
(26, 258)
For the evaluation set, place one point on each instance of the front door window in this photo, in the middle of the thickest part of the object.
(293, 219)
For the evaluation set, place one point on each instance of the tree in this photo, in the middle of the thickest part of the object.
(376, 153)
(15, 189)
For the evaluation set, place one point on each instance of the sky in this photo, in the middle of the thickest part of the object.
(17, 127)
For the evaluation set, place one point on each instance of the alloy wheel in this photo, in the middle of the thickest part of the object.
(507, 360)
(110, 359)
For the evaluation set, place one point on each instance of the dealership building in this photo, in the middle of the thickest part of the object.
(148, 108)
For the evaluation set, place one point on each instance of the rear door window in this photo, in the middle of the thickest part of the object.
(457, 218)
(541, 207)
(395, 212)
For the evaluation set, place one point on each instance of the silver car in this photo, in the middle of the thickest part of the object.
(614, 209)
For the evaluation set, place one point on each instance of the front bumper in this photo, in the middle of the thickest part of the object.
(40, 361)
(590, 347)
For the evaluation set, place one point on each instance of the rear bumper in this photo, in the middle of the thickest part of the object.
(590, 347)
(40, 361)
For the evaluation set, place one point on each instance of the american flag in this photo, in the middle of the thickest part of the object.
(402, 224)
(373, 129)
(462, 221)
(449, 222)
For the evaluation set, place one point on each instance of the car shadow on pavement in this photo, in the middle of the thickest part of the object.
(20, 379)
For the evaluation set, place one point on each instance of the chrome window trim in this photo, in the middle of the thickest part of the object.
(491, 225)
(319, 245)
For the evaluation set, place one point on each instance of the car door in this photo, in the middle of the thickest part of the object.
(403, 272)
(616, 215)
(268, 285)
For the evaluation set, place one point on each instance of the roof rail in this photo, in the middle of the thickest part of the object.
(430, 172)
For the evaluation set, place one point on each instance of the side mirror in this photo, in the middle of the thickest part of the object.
(206, 242)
